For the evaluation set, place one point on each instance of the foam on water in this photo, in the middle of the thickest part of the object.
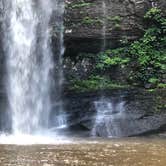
(26, 139)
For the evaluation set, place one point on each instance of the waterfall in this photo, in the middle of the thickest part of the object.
(104, 28)
(108, 111)
(29, 26)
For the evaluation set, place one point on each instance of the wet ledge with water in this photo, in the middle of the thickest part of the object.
(129, 152)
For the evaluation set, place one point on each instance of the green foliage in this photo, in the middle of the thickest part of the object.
(95, 83)
(112, 58)
(90, 21)
(150, 51)
(148, 54)
(80, 5)
(115, 20)
(154, 14)
(153, 80)
(161, 85)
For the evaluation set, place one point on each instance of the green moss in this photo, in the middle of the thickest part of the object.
(151, 90)
(146, 56)
(153, 81)
(109, 58)
(116, 20)
(160, 104)
(90, 21)
(161, 85)
(95, 83)
(80, 5)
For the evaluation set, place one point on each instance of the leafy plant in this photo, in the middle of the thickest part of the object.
(150, 51)
(95, 83)
(110, 58)
(147, 56)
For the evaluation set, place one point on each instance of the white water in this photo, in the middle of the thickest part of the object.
(26, 139)
(30, 63)
(108, 114)
(104, 28)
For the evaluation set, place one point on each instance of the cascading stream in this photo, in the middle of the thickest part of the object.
(108, 112)
(30, 62)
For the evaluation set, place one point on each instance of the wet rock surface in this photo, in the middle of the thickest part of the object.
(143, 113)
(84, 23)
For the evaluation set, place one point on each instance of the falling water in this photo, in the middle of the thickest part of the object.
(107, 111)
(108, 114)
(30, 63)
(104, 27)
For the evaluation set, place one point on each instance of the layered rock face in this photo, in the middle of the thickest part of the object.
(85, 18)
(85, 31)
(132, 112)
(84, 21)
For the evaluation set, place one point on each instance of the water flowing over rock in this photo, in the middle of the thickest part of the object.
(33, 47)
(108, 114)
(30, 64)
(119, 113)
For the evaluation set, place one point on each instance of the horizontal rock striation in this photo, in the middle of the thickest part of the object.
(84, 23)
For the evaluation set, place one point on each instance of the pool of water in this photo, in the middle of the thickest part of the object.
(90, 152)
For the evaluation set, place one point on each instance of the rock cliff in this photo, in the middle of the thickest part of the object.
(84, 21)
